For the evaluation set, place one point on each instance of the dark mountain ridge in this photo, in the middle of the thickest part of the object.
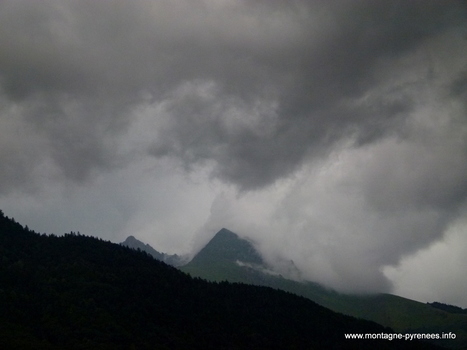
(449, 308)
(170, 259)
(79, 292)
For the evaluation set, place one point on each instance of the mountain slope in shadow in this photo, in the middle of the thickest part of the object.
(79, 292)
(227, 257)
(170, 259)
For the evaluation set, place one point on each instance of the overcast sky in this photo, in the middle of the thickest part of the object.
(332, 133)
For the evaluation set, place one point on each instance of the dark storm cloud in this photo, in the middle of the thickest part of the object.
(313, 84)
(60, 87)
(303, 62)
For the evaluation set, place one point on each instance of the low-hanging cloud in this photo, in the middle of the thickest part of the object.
(360, 210)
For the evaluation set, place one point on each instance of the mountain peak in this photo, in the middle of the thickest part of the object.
(134, 243)
(131, 239)
(228, 246)
(226, 234)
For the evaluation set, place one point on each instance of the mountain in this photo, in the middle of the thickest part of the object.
(170, 259)
(231, 258)
(227, 257)
(79, 292)
(227, 246)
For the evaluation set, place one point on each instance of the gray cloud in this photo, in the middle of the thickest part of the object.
(345, 220)
(312, 84)
(306, 59)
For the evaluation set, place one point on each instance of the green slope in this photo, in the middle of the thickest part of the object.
(217, 262)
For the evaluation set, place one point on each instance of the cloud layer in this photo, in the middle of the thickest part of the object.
(334, 133)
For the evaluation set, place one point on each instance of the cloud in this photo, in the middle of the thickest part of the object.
(362, 209)
(332, 132)
(314, 92)
(346, 218)
(295, 69)
(445, 259)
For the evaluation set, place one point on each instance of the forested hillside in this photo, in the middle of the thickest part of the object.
(77, 292)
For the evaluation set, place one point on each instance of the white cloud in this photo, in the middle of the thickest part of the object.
(436, 273)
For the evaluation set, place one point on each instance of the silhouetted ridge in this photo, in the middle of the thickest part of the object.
(448, 308)
(78, 292)
(171, 259)
(132, 242)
